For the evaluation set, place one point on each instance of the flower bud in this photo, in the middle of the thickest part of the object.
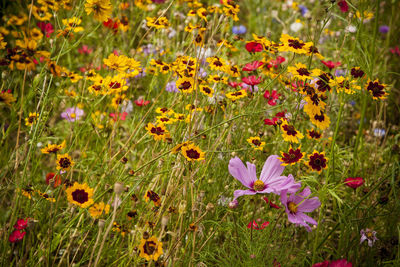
(210, 207)
(101, 223)
(233, 204)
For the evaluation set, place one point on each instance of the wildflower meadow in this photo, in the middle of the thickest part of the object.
(200, 133)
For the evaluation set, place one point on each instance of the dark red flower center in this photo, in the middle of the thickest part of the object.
(80, 196)
(64, 163)
(290, 130)
(185, 85)
(157, 130)
(193, 154)
(296, 44)
(114, 85)
(303, 72)
(149, 247)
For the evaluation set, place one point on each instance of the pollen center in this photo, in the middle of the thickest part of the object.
(259, 185)
(292, 207)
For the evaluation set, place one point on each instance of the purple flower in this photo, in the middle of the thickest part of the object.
(303, 10)
(296, 205)
(72, 114)
(171, 87)
(270, 180)
(384, 29)
(369, 235)
(239, 29)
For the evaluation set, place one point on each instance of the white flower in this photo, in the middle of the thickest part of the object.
(351, 29)
(297, 26)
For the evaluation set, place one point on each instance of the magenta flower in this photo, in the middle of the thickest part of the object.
(270, 180)
(16, 236)
(21, 224)
(251, 80)
(369, 235)
(335, 263)
(72, 114)
(296, 205)
(271, 97)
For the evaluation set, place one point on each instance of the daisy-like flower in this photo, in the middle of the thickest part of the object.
(344, 84)
(153, 196)
(178, 147)
(80, 195)
(6, 98)
(53, 148)
(216, 63)
(301, 72)
(356, 72)
(158, 23)
(150, 248)
(185, 84)
(64, 162)
(368, 234)
(354, 182)
(291, 157)
(291, 44)
(236, 95)
(192, 152)
(206, 90)
(118, 63)
(376, 89)
(101, 9)
(297, 204)
(270, 180)
(320, 120)
(31, 119)
(256, 143)
(313, 134)
(317, 161)
(289, 133)
(72, 114)
(98, 209)
(158, 131)
(271, 97)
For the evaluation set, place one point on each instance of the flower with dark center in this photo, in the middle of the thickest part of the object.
(150, 249)
(80, 195)
(317, 161)
(291, 157)
(64, 162)
(153, 196)
(376, 89)
(192, 153)
(356, 72)
(313, 134)
(289, 133)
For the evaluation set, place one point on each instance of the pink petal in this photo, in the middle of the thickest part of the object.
(239, 171)
(272, 168)
(239, 193)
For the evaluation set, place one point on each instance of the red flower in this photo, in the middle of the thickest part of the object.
(340, 263)
(395, 50)
(252, 65)
(21, 224)
(354, 182)
(85, 50)
(254, 47)
(275, 119)
(55, 178)
(46, 28)
(141, 102)
(118, 116)
(321, 264)
(234, 84)
(16, 236)
(272, 205)
(255, 226)
(344, 7)
(111, 25)
(276, 62)
(271, 97)
(251, 80)
(331, 64)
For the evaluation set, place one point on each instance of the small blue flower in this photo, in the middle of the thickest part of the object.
(339, 72)
(171, 87)
(378, 132)
(239, 29)
(303, 10)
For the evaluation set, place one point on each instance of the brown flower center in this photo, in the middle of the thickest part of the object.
(80, 196)
(193, 154)
(64, 163)
(292, 207)
(258, 185)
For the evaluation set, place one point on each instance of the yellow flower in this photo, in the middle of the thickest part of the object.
(32, 118)
(185, 85)
(158, 23)
(98, 208)
(64, 162)
(117, 100)
(314, 105)
(289, 133)
(158, 131)
(80, 195)
(256, 143)
(302, 73)
(72, 24)
(101, 9)
(344, 84)
(6, 98)
(53, 148)
(153, 196)
(320, 120)
(216, 63)
(150, 249)
(164, 111)
(292, 44)
(178, 147)
(376, 89)
(119, 63)
(236, 95)
(206, 90)
(192, 153)
(165, 120)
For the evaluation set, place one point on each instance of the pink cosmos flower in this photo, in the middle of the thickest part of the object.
(251, 80)
(252, 65)
(16, 236)
(72, 114)
(271, 97)
(21, 224)
(296, 205)
(270, 180)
